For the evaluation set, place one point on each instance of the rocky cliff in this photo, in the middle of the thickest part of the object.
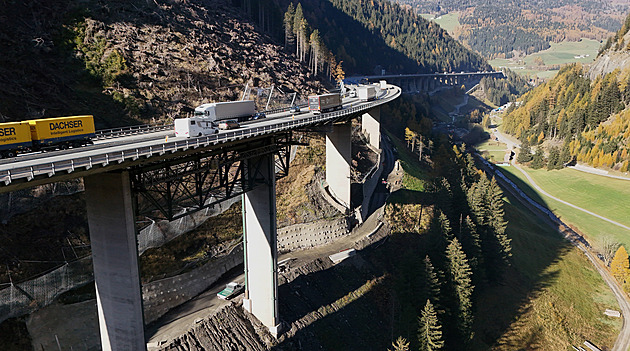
(617, 56)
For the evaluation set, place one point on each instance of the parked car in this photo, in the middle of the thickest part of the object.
(231, 290)
(259, 115)
(228, 124)
(295, 109)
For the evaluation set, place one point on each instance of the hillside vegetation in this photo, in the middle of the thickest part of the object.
(508, 28)
(579, 118)
(369, 35)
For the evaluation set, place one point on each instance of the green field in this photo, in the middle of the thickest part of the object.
(448, 22)
(559, 53)
(552, 293)
(607, 197)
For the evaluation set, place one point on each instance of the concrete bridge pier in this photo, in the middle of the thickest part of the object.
(338, 162)
(371, 125)
(111, 220)
(260, 240)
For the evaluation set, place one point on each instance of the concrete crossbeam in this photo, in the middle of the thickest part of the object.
(115, 258)
(261, 253)
(338, 162)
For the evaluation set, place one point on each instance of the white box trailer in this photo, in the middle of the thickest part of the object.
(216, 111)
(366, 92)
(383, 84)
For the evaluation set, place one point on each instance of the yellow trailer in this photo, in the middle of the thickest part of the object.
(14, 136)
(61, 131)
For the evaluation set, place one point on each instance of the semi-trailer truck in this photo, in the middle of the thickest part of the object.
(366, 92)
(208, 116)
(216, 111)
(45, 134)
(324, 103)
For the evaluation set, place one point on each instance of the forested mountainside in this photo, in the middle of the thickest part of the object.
(589, 117)
(372, 35)
(131, 61)
(502, 28)
(503, 90)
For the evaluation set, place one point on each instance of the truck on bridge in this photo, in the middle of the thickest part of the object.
(208, 116)
(45, 134)
(366, 93)
(324, 103)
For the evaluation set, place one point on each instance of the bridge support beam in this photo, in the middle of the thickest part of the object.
(260, 246)
(115, 258)
(371, 125)
(338, 162)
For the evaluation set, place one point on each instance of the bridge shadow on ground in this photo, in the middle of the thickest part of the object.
(368, 300)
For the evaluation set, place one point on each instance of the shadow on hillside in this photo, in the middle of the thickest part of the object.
(332, 309)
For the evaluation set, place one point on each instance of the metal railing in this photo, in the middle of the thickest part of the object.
(132, 130)
(104, 159)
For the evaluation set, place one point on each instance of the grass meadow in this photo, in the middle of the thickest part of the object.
(448, 22)
(607, 197)
(558, 54)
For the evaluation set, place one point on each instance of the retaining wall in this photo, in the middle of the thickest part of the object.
(305, 235)
(162, 295)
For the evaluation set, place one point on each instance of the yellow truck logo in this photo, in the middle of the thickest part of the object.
(65, 125)
(7, 131)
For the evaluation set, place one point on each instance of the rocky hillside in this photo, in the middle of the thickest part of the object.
(134, 61)
(615, 53)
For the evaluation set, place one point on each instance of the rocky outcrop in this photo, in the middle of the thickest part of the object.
(617, 57)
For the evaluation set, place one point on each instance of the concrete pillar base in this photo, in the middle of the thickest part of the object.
(247, 305)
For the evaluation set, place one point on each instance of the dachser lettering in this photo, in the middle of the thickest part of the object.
(66, 125)
(7, 131)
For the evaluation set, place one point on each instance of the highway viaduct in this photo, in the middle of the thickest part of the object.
(168, 178)
(414, 83)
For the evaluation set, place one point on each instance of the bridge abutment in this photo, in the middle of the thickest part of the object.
(338, 161)
(260, 240)
(115, 258)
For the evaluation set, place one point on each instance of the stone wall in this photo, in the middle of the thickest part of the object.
(306, 235)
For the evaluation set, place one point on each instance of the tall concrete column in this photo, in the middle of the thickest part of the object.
(371, 125)
(338, 162)
(260, 241)
(115, 258)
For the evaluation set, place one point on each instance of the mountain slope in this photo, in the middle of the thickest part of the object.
(590, 117)
(127, 61)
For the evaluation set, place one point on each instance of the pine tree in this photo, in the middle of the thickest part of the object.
(620, 266)
(430, 333)
(431, 280)
(525, 155)
(289, 18)
(538, 160)
(460, 278)
(553, 161)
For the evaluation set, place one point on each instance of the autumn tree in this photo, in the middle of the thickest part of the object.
(400, 344)
(620, 267)
(430, 330)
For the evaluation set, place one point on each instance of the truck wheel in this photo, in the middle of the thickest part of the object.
(63, 147)
(9, 154)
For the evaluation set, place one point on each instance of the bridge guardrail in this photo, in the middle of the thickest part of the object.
(88, 162)
(125, 131)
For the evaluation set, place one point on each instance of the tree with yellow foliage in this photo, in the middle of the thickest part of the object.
(620, 267)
